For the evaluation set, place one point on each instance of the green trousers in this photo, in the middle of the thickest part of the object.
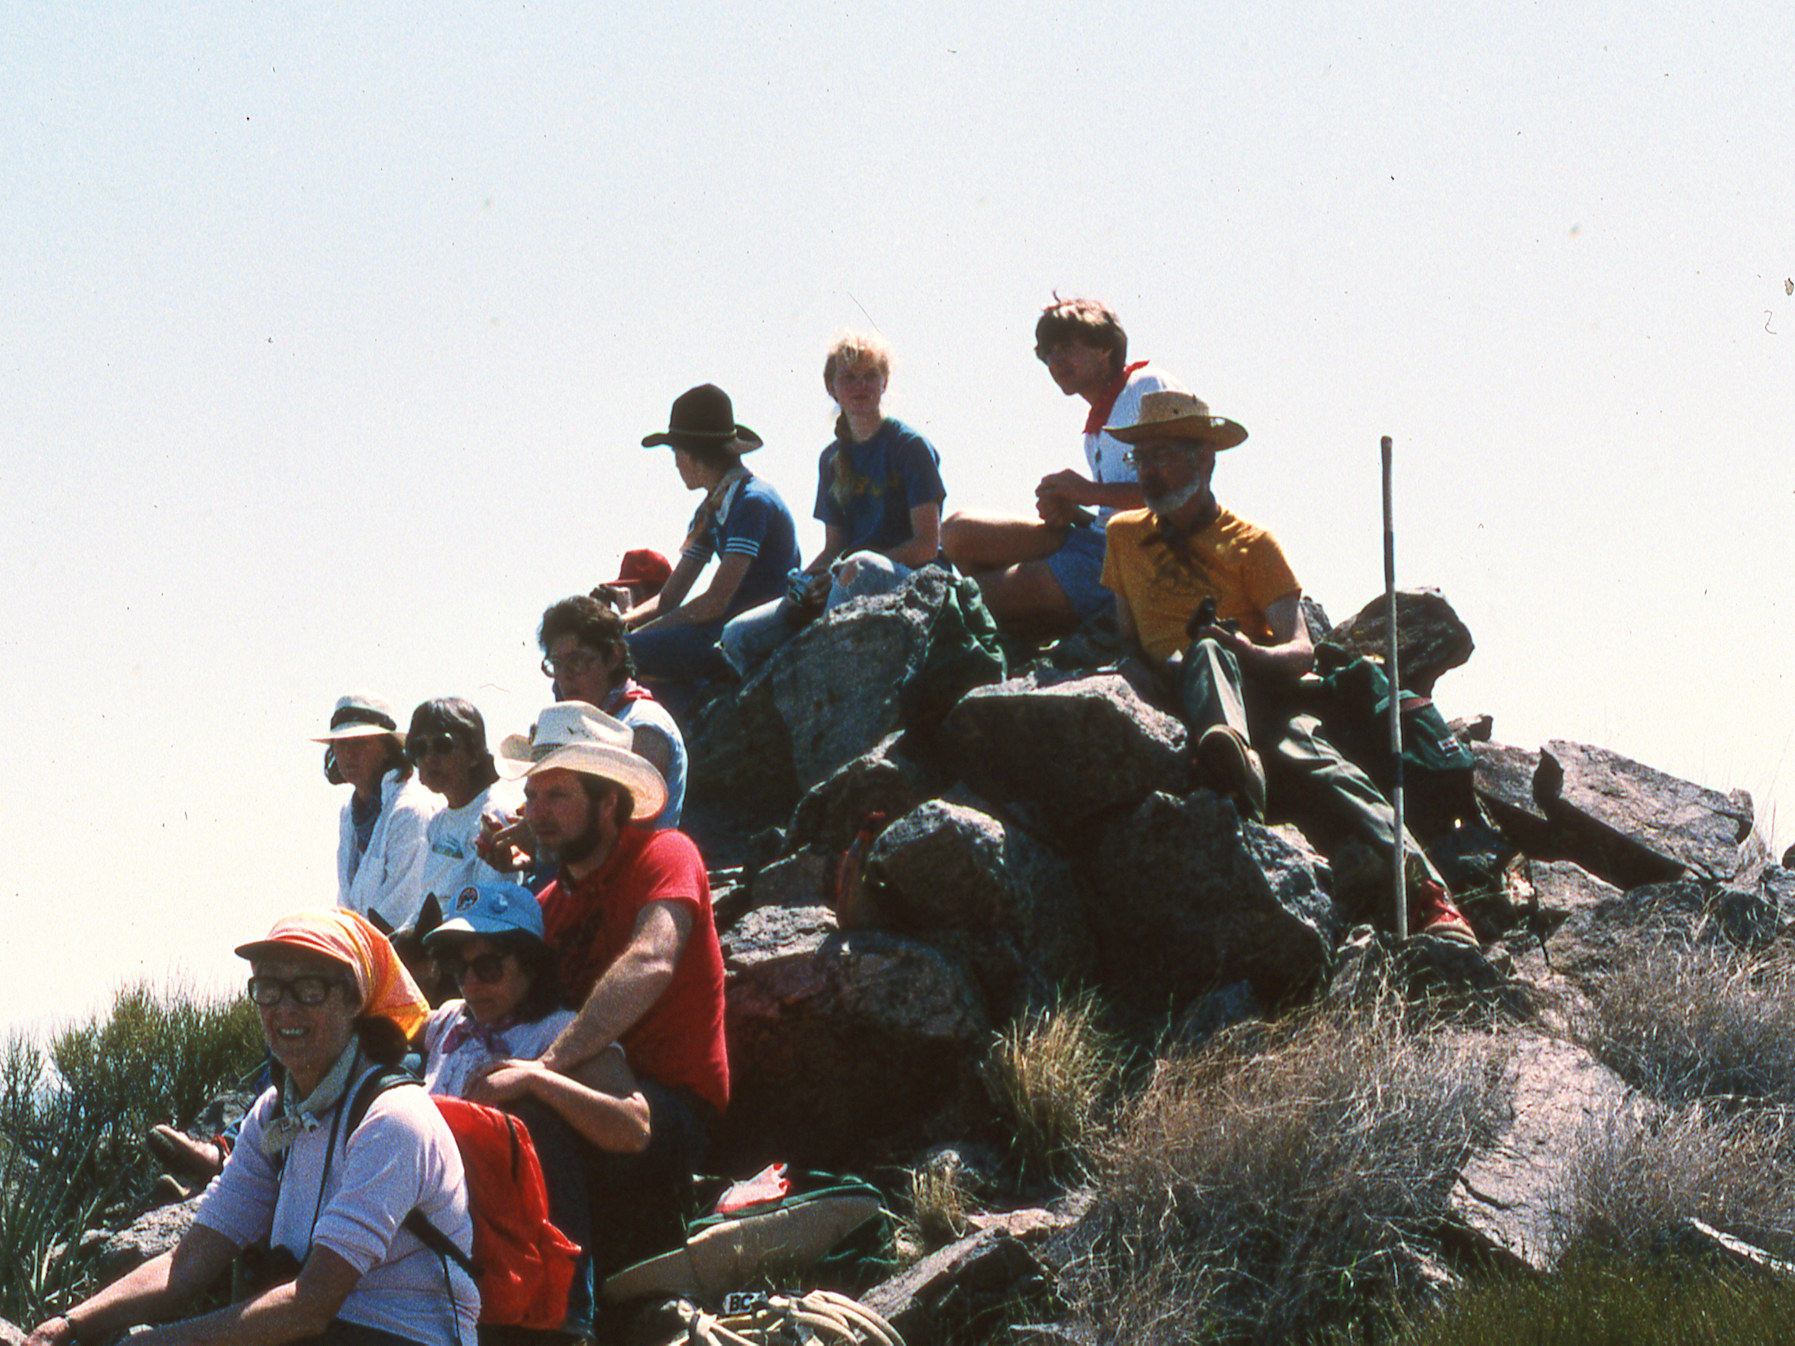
(1306, 777)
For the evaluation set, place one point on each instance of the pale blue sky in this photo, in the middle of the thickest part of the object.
(331, 332)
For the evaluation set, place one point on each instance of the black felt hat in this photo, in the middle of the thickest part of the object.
(703, 417)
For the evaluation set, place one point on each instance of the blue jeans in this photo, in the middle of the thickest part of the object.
(672, 660)
(748, 640)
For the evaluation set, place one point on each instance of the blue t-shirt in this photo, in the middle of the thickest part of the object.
(756, 524)
(869, 489)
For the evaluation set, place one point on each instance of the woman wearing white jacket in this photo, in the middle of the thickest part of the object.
(381, 851)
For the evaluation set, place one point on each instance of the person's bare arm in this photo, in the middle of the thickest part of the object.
(295, 1311)
(600, 1100)
(1290, 654)
(1074, 488)
(152, 1291)
(291, 1312)
(925, 537)
(629, 987)
(710, 605)
(678, 584)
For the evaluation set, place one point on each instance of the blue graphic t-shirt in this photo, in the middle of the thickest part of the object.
(869, 489)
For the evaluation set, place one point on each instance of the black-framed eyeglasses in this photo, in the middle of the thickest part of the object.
(420, 746)
(483, 967)
(303, 990)
(571, 664)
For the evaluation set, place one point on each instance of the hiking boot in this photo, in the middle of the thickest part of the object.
(1431, 913)
(1227, 764)
(169, 1190)
(179, 1152)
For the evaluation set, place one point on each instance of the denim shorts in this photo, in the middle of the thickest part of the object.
(1077, 567)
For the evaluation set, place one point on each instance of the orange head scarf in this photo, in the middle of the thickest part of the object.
(386, 988)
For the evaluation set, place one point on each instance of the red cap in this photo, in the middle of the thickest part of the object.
(643, 566)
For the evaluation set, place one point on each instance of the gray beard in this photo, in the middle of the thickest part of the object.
(1162, 505)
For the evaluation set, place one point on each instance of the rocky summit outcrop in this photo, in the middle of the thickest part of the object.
(999, 840)
(1042, 831)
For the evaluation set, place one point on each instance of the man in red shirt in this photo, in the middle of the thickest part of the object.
(629, 917)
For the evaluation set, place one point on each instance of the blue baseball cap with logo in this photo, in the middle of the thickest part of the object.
(491, 909)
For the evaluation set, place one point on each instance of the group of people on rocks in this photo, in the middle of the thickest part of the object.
(577, 929)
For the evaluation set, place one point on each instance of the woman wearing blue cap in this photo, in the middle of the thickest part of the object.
(485, 1046)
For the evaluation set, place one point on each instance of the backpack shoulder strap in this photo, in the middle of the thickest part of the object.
(387, 1077)
(438, 1242)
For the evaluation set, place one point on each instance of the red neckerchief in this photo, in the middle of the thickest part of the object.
(1106, 400)
(469, 1029)
(630, 690)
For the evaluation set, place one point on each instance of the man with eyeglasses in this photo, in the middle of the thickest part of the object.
(1210, 600)
(1041, 576)
(586, 656)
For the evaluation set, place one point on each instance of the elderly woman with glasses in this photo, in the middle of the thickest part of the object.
(326, 1200)
(381, 846)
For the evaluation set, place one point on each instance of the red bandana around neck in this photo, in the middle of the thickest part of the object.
(1106, 401)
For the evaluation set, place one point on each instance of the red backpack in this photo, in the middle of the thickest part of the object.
(522, 1263)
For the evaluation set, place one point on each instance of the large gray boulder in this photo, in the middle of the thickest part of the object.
(831, 811)
(149, 1235)
(1556, 943)
(845, 1049)
(1071, 753)
(1510, 1194)
(1503, 780)
(1189, 897)
(827, 697)
(1645, 826)
(1430, 638)
(945, 869)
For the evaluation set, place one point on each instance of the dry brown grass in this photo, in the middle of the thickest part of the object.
(1687, 1022)
(1639, 1181)
(1284, 1179)
(1054, 1075)
(941, 1199)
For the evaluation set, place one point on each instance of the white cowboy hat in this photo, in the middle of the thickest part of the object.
(361, 715)
(573, 736)
(1175, 415)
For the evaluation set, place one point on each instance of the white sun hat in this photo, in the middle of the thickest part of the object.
(574, 736)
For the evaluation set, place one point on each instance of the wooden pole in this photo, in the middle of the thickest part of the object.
(1398, 867)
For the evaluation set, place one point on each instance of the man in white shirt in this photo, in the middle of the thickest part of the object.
(1041, 576)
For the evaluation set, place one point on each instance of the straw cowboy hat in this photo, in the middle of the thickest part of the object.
(361, 715)
(1174, 415)
(703, 417)
(573, 736)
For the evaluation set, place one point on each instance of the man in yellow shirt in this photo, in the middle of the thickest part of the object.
(1212, 602)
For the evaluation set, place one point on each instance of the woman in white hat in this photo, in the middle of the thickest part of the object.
(382, 847)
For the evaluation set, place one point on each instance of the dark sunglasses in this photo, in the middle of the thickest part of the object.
(307, 991)
(486, 967)
(420, 746)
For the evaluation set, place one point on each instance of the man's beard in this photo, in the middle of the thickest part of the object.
(580, 847)
(1172, 501)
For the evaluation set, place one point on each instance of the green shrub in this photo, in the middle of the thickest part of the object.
(1603, 1303)
(1284, 1178)
(72, 1117)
